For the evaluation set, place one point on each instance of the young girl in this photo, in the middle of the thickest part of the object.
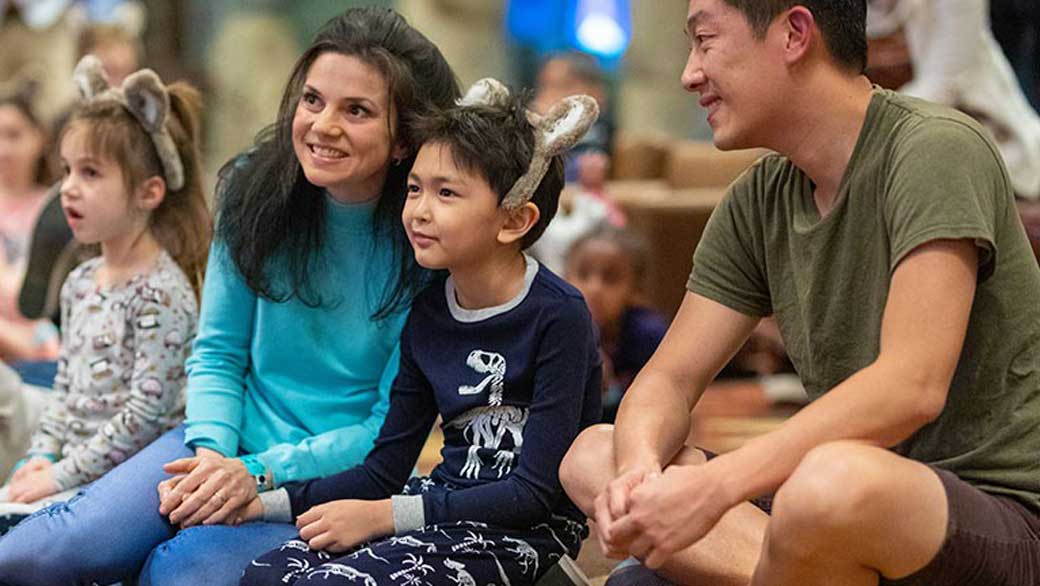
(306, 291)
(131, 186)
(26, 171)
(608, 266)
(502, 349)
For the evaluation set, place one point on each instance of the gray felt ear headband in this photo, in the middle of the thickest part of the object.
(145, 97)
(555, 133)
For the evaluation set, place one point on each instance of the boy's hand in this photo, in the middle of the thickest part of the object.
(338, 526)
(251, 511)
(34, 484)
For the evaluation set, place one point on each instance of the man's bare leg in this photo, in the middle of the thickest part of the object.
(726, 556)
(850, 513)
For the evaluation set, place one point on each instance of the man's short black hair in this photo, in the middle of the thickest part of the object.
(842, 24)
(495, 142)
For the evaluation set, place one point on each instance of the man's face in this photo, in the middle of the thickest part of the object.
(738, 77)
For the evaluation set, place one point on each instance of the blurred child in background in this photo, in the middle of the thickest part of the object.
(26, 170)
(608, 266)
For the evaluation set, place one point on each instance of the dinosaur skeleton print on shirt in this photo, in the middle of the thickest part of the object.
(487, 427)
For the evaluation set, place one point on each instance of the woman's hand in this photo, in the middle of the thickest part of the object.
(206, 489)
(338, 526)
(33, 482)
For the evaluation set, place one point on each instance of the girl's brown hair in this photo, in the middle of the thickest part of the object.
(182, 223)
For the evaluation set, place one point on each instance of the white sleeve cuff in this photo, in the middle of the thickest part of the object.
(408, 513)
(277, 507)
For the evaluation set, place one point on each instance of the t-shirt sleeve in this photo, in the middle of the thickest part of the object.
(728, 265)
(945, 183)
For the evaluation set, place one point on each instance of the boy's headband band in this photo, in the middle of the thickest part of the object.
(146, 98)
(555, 133)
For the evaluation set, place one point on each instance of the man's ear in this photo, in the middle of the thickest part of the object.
(150, 193)
(518, 223)
(799, 32)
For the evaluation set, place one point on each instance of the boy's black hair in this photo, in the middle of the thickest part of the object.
(497, 143)
(842, 24)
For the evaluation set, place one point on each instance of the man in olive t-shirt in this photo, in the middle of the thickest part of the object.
(885, 240)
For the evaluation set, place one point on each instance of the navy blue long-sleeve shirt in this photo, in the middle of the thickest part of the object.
(514, 385)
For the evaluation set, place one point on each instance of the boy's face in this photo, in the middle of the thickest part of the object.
(738, 77)
(604, 275)
(451, 215)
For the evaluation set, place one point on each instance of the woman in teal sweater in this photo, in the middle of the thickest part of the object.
(308, 284)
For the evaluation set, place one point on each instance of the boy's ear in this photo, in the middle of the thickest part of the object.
(151, 193)
(519, 222)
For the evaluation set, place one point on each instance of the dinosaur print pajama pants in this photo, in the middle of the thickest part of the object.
(464, 553)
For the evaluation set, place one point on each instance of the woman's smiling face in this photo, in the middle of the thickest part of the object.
(343, 128)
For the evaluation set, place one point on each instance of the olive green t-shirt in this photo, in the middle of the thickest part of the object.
(919, 172)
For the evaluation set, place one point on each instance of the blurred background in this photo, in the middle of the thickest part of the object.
(645, 179)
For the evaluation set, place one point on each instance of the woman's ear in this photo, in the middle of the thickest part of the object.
(150, 193)
(398, 153)
(518, 222)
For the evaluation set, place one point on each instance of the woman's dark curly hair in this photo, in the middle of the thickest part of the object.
(266, 206)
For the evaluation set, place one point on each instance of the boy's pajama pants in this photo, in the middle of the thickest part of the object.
(463, 553)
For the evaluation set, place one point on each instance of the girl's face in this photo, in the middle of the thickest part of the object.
(603, 273)
(343, 128)
(21, 146)
(93, 192)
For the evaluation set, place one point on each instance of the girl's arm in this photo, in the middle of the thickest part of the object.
(48, 438)
(220, 358)
(162, 330)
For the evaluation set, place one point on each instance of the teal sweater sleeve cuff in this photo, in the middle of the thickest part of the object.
(211, 436)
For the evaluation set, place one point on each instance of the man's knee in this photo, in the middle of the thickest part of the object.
(591, 451)
(830, 492)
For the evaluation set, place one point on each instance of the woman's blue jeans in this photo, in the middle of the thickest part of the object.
(112, 531)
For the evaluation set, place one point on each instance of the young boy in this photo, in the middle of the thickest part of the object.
(500, 348)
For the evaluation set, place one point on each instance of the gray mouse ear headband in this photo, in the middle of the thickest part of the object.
(555, 133)
(146, 98)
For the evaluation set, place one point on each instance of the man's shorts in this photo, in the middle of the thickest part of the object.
(991, 540)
